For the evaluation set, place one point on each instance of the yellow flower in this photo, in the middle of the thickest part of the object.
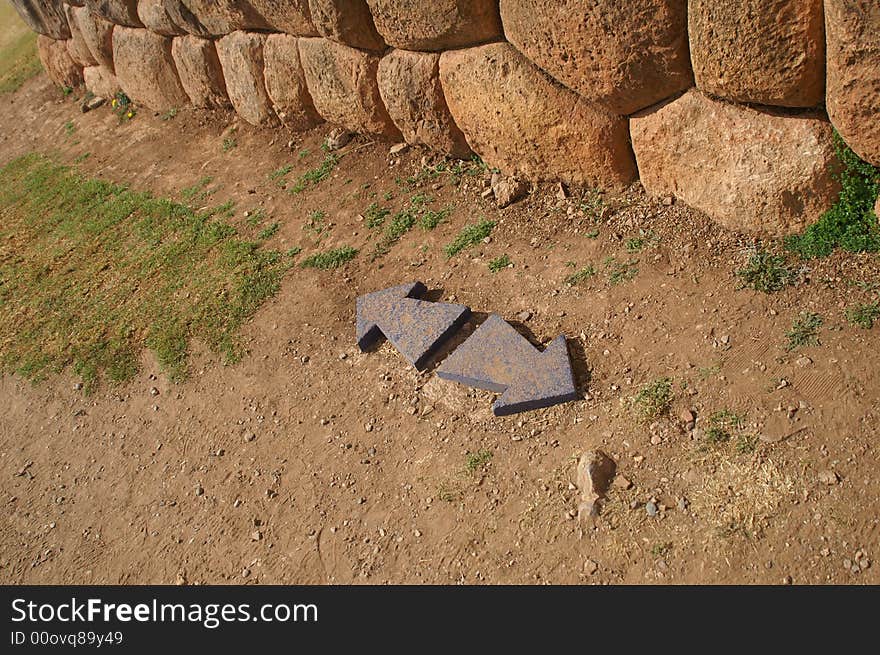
(130, 115)
(114, 103)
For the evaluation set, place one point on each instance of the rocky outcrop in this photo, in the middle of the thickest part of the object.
(749, 170)
(286, 83)
(198, 67)
(97, 34)
(342, 83)
(409, 83)
(241, 56)
(346, 21)
(769, 52)
(145, 68)
(57, 62)
(853, 96)
(44, 17)
(436, 25)
(118, 12)
(624, 56)
(521, 122)
(101, 81)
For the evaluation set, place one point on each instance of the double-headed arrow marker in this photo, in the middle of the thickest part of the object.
(417, 328)
(495, 357)
(498, 358)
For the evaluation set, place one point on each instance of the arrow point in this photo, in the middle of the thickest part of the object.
(373, 306)
(549, 382)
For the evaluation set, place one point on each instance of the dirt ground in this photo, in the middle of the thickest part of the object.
(310, 462)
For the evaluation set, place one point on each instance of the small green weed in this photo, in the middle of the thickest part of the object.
(330, 259)
(469, 236)
(864, 314)
(620, 272)
(499, 263)
(582, 275)
(375, 215)
(269, 231)
(721, 425)
(804, 331)
(476, 461)
(316, 175)
(653, 400)
(766, 272)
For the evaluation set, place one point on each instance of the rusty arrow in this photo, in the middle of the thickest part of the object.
(498, 358)
(417, 328)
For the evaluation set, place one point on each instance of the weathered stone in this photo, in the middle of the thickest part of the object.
(624, 56)
(853, 97)
(44, 17)
(76, 46)
(97, 34)
(346, 21)
(101, 81)
(241, 56)
(286, 83)
(57, 62)
(208, 18)
(749, 170)
(289, 16)
(519, 121)
(145, 68)
(436, 25)
(769, 52)
(595, 470)
(155, 17)
(409, 83)
(199, 70)
(507, 190)
(118, 12)
(343, 86)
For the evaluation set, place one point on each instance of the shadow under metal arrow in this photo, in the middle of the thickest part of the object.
(417, 328)
(498, 358)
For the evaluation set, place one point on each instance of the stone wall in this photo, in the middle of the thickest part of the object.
(729, 105)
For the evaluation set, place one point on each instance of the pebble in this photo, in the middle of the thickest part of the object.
(590, 567)
(651, 508)
(245, 573)
(199, 490)
(683, 504)
(154, 391)
(250, 436)
(803, 362)
(828, 477)
(621, 482)
(78, 386)
(524, 316)
(397, 148)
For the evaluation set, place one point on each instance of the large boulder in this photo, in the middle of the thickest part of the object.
(97, 34)
(209, 18)
(118, 12)
(44, 17)
(853, 97)
(155, 17)
(286, 83)
(436, 24)
(241, 56)
(101, 81)
(57, 62)
(769, 52)
(624, 56)
(520, 121)
(754, 171)
(145, 68)
(289, 16)
(342, 83)
(409, 83)
(76, 46)
(346, 21)
(198, 67)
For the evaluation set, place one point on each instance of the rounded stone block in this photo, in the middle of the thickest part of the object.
(101, 81)
(198, 67)
(624, 56)
(241, 57)
(286, 83)
(754, 171)
(288, 16)
(436, 25)
(342, 83)
(56, 60)
(118, 12)
(768, 52)
(155, 17)
(76, 46)
(409, 83)
(44, 17)
(145, 68)
(520, 121)
(97, 34)
(346, 21)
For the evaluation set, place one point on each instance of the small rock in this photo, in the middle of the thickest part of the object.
(561, 192)
(200, 491)
(668, 201)
(368, 427)
(338, 138)
(180, 580)
(651, 508)
(246, 573)
(656, 440)
(304, 359)
(256, 535)
(397, 148)
(590, 567)
(622, 482)
(486, 194)
(92, 103)
(595, 470)
(78, 386)
(250, 436)
(804, 361)
(687, 417)
(154, 391)
(507, 189)
(683, 504)
(522, 317)
(828, 477)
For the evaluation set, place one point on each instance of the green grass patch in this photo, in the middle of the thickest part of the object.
(331, 259)
(766, 272)
(469, 236)
(864, 315)
(499, 263)
(476, 461)
(850, 224)
(431, 218)
(581, 275)
(92, 272)
(316, 175)
(279, 174)
(721, 426)
(18, 51)
(804, 331)
(375, 216)
(269, 231)
(653, 400)
(620, 272)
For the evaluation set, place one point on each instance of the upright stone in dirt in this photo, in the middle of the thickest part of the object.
(241, 56)
(289, 16)
(436, 24)
(853, 97)
(286, 83)
(198, 67)
(769, 52)
(44, 17)
(521, 122)
(101, 81)
(342, 83)
(118, 12)
(624, 56)
(76, 46)
(155, 17)
(97, 34)
(57, 62)
(750, 170)
(145, 68)
(595, 470)
(346, 21)
(409, 83)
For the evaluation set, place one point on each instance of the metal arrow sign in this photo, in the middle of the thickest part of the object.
(417, 328)
(498, 358)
